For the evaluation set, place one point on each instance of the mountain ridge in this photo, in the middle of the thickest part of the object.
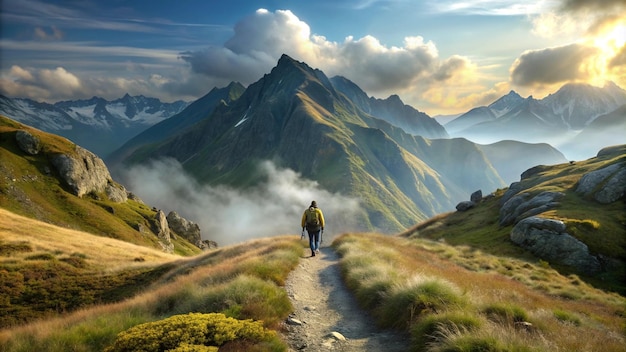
(96, 123)
(296, 110)
(555, 119)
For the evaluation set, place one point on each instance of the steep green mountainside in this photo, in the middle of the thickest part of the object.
(295, 117)
(31, 186)
(600, 226)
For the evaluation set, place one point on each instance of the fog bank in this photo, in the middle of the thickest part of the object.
(228, 215)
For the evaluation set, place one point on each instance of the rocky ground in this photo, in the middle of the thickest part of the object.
(326, 316)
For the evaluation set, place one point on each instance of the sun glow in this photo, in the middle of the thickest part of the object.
(609, 43)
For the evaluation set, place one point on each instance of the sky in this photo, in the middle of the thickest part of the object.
(440, 56)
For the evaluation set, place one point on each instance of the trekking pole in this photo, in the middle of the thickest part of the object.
(302, 235)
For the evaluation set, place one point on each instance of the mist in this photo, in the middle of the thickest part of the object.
(228, 216)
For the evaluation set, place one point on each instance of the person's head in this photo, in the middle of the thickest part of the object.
(314, 204)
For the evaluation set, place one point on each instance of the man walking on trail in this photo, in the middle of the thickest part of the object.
(313, 221)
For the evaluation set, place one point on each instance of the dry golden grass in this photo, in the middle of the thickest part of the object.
(598, 316)
(101, 252)
(240, 280)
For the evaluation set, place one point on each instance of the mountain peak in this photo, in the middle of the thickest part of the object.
(506, 103)
(284, 59)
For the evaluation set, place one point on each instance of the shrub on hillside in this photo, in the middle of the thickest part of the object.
(194, 332)
(505, 313)
(418, 297)
(433, 328)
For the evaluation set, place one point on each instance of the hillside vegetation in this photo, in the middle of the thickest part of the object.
(448, 298)
(461, 299)
(602, 227)
(30, 186)
(236, 289)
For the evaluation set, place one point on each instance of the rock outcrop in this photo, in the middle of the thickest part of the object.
(189, 230)
(605, 185)
(27, 142)
(162, 230)
(186, 229)
(524, 205)
(547, 239)
(85, 173)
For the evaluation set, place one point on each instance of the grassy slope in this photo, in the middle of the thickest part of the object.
(444, 296)
(30, 187)
(240, 281)
(461, 299)
(602, 227)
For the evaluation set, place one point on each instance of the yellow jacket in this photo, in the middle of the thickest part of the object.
(320, 216)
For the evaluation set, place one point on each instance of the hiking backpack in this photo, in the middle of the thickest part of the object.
(312, 219)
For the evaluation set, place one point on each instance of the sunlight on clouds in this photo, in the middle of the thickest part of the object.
(261, 38)
(20, 73)
(491, 7)
(60, 78)
(40, 84)
(598, 29)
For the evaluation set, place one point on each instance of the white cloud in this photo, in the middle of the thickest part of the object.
(490, 7)
(253, 50)
(40, 84)
(261, 38)
(228, 215)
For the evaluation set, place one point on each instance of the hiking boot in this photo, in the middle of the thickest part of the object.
(317, 251)
(312, 253)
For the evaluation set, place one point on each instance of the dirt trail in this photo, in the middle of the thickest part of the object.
(323, 307)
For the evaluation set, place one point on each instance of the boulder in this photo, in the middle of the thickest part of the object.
(465, 205)
(514, 189)
(520, 206)
(477, 196)
(547, 239)
(27, 142)
(614, 189)
(533, 171)
(116, 192)
(605, 185)
(83, 173)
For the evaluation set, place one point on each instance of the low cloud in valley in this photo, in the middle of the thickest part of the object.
(228, 215)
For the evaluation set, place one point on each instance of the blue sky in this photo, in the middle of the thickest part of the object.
(440, 56)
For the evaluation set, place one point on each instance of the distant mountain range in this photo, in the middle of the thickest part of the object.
(96, 124)
(329, 131)
(556, 119)
(403, 164)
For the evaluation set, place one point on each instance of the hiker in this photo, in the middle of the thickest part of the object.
(313, 221)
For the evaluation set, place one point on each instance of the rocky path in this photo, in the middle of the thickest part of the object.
(326, 317)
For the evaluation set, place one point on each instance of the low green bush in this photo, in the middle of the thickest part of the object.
(505, 313)
(193, 331)
(407, 303)
(566, 317)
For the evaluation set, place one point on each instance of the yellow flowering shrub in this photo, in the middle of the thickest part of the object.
(189, 332)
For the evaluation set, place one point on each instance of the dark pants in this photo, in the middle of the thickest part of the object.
(314, 240)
